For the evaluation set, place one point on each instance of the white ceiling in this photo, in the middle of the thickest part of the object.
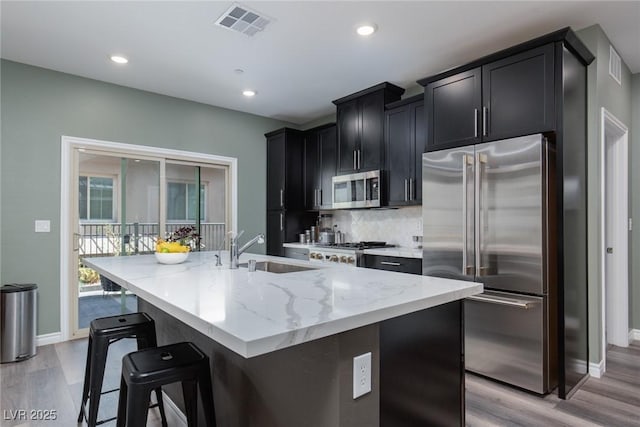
(307, 57)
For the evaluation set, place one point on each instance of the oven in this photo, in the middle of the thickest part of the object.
(358, 190)
(346, 257)
(347, 254)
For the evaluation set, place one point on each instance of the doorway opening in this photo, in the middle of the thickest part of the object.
(614, 231)
(118, 199)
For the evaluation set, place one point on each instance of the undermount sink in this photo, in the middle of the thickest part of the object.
(278, 267)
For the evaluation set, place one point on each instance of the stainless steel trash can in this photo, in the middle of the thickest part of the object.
(18, 317)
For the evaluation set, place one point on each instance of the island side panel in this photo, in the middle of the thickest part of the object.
(308, 384)
(422, 368)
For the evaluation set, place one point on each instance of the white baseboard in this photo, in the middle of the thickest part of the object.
(46, 339)
(596, 369)
(634, 335)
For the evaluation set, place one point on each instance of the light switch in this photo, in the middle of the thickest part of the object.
(43, 226)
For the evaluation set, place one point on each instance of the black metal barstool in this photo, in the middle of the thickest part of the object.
(151, 368)
(102, 333)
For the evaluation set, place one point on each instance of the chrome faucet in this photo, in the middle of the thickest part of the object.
(235, 252)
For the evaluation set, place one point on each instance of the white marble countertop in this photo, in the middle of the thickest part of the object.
(397, 251)
(259, 312)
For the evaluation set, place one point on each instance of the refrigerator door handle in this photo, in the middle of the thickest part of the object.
(467, 270)
(481, 159)
(512, 302)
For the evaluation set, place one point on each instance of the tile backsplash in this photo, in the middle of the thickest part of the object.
(394, 226)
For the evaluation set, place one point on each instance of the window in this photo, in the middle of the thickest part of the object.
(96, 198)
(181, 201)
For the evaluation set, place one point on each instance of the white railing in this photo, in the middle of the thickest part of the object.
(104, 239)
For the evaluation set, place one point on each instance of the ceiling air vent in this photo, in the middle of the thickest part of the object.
(615, 65)
(243, 20)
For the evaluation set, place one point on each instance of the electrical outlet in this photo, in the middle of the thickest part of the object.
(361, 375)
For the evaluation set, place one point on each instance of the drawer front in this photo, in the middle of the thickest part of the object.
(506, 339)
(297, 253)
(390, 263)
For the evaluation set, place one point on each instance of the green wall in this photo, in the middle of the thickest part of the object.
(38, 106)
(603, 91)
(634, 145)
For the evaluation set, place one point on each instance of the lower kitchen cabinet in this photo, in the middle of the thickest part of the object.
(392, 263)
(283, 226)
(297, 253)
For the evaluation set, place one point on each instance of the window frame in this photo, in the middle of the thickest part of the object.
(114, 205)
(204, 189)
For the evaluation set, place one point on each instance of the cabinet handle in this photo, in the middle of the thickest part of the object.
(319, 196)
(355, 165)
(485, 111)
(405, 190)
(394, 264)
(503, 301)
(281, 198)
(475, 122)
(359, 163)
(411, 189)
(281, 221)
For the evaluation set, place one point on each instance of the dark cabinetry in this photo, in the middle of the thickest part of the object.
(284, 226)
(285, 189)
(361, 127)
(391, 263)
(285, 151)
(320, 166)
(405, 141)
(539, 86)
(509, 97)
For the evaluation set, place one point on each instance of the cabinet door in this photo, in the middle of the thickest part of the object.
(348, 131)
(453, 110)
(371, 154)
(275, 171)
(327, 139)
(311, 171)
(419, 119)
(518, 94)
(399, 154)
(275, 232)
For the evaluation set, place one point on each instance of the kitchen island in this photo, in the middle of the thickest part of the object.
(282, 345)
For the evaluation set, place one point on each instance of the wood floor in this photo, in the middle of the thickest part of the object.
(613, 400)
(53, 381)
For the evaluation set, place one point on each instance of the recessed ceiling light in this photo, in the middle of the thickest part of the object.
(249, 93)
(366, 30)
(119, 59)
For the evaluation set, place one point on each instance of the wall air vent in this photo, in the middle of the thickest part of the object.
(244, 20)
(615, 65)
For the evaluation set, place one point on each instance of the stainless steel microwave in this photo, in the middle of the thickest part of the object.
(358, 190)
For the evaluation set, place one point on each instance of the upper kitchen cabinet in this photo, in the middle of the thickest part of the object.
(285, 167)
(320, 166)
(405, 141)
(360, 128)
(505, 98)
(452, 107)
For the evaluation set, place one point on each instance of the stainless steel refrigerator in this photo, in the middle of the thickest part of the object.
(489, 216)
